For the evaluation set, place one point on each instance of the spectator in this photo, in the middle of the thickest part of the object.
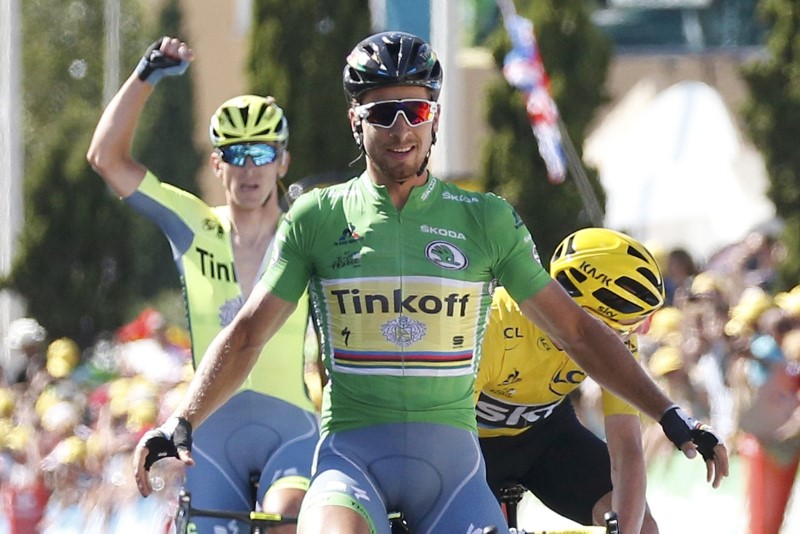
(63, 355)
(678, 276)
(771, 448)
(25, 341)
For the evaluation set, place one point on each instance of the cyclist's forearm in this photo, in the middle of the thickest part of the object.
(222, 370)
(232, 354)
(596, 348)
(609, 363)
(628, 499)
(628, 470)
(110, 149)
(605, 358)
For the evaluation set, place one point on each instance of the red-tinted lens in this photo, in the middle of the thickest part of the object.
(385, 113)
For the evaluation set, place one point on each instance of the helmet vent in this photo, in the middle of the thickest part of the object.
(570, 246)
(394, 51)
(353, 74)
(632, 286)
(261, 111)
(566, 283)
(245, 112)
(650, 275)
(228, 116)
(634, 252)
(577, 275)
(615, 302)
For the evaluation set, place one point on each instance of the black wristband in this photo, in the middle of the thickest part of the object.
(680, 428)
(675, 427)
(182, 436)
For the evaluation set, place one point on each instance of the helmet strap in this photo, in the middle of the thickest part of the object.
(358, 135)
(360, 155)
(427, 156)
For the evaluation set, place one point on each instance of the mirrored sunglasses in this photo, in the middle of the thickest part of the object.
(261, 153)
(384, 114)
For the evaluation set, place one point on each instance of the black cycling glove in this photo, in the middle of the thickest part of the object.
(165, 441)
(154, 65)
(680, 428)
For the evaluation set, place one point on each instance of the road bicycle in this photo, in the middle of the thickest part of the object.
(511, 495)
(259, 522)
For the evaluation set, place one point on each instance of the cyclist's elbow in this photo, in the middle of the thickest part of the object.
(103, 161)
(97, 154)
(120, 172)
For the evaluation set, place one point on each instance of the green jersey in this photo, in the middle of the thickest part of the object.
(200, 237)
(401, 297)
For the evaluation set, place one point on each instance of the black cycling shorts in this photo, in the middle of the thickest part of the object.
(559, 460)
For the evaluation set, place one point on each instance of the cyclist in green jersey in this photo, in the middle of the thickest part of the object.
(267, 430)
(399, 267)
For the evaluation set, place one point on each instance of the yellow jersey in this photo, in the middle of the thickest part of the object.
(523, 375)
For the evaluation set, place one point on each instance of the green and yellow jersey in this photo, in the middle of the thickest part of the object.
(200, 238)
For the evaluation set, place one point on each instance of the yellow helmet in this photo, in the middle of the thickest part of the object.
(248, 118)
(611, 275)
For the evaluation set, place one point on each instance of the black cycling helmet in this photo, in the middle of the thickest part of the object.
(391, 58)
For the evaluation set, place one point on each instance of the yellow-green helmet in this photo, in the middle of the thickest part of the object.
(247, 119)
(611, 275)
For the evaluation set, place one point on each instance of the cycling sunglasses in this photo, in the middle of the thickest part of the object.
(384, 114)
(261, 153)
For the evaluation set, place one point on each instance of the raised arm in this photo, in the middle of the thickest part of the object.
(222, 370)
(110, 150)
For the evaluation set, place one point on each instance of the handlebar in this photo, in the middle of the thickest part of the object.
(258, 521)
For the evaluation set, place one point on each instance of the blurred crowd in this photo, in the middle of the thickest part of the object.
(724, 330)
(727, 346)
(69, 419)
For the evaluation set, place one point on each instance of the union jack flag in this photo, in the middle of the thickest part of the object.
(524, 70)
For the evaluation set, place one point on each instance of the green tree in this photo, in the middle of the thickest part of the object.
(297, 54)
(576, 57)
(772, 119)
(84, 259)
(72, 255)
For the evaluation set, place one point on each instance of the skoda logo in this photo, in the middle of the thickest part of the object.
(445, 255)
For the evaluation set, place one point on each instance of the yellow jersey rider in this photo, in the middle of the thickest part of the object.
(528, 429)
